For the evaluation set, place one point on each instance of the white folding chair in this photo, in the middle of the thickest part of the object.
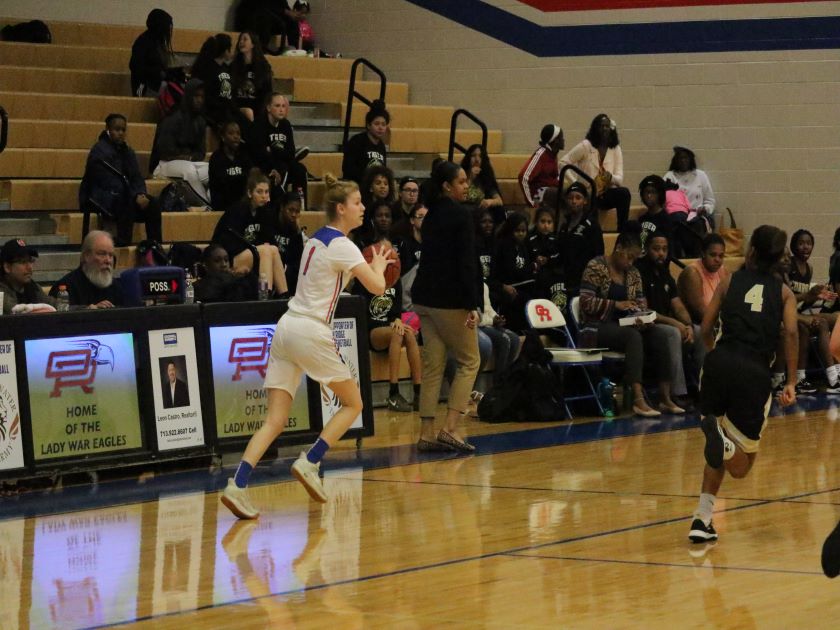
(544, 314)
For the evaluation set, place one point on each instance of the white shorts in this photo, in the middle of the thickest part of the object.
(303, 345)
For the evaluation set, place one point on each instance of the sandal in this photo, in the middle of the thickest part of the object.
(447, 438)
(675, 410)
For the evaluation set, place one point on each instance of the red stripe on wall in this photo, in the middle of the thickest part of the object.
(553, 6)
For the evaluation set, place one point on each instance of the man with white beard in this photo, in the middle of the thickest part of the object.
(92, 284)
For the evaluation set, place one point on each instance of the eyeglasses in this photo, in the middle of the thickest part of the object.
(411, 191)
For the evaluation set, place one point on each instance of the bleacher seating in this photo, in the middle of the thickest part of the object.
(57, 96)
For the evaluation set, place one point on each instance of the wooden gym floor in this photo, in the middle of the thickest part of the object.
(577, 525)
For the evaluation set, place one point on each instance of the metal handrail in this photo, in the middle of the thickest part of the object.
(453, 144)
(582, 175)
(352, 93)
(4, 129)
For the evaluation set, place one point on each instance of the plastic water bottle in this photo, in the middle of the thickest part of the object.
(62, 299)
(605, 392)
(189, 289)
(262, 288)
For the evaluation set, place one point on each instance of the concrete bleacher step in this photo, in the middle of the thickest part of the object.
(52, 194)
(85, 107)
(335, 90)
(409, 116)
(57, 260)
(115, 35)
(52, 163)
(26, 227)
(309, 68)
(66, 81)
(73, 134)
(71, 57)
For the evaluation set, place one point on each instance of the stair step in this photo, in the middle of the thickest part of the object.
(26, 227)
(54, 261)
(40, 240)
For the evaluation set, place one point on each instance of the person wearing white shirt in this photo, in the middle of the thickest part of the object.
(304, 344)
(692, 181)
(599, 156)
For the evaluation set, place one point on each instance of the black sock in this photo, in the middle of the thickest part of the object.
(393, 389)
(416, 390)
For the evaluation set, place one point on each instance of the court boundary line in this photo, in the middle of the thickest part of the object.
(445, 563)
(666, 564)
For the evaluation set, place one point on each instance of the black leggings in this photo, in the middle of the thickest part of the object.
(618, 198)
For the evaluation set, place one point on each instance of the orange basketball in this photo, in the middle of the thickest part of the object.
(392, 271)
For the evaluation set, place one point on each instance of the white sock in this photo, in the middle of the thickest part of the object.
(705, 507)
(831, 375)
(777, 379)
(800, 375)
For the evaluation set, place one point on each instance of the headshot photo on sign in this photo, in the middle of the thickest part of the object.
(174, 389)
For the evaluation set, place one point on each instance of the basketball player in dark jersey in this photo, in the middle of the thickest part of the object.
(831, 546)
(754, 306)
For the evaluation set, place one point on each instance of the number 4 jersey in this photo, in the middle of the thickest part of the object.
(751, 313)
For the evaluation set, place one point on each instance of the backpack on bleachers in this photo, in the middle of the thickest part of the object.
(34, 32)
(169, 97)
(178, 196)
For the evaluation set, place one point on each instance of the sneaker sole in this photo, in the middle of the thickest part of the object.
(713, 452)
(699, 536)
(309, 489)
(229, 504)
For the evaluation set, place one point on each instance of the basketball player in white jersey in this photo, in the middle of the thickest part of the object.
(303, 343)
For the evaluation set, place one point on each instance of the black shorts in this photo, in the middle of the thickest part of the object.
(736, 383)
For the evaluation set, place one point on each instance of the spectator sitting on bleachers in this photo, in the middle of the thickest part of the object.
(544, 248)
(181, 141)
(485, 245)
(671, 314)
(812, 322)
(513, 270)
(541, 170)
(252, 75)
(408, 199)
(367, 148)
(377, 187)
(834, 267)
(294, 13)
(218, 284)
(389, 333)
(92, 283)
(611, 289)
(271, 143)
(290, 238)
(380, 228)
(410, 255)
(113, 186)
(151, 54)
(693, 182)
(16, 282)
(212, 67)
(599, 156)
(230, 166)
(265, 18)
(250, 227)
(655, 220)
(580, 236)
(505, 342)
(698, 281)
(483, 192)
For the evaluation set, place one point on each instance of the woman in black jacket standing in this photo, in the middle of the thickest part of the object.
(447, 296)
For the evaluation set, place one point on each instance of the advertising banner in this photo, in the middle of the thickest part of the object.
(83, 395)
(175, 386)
(239, 355)
(11, 444)
(346, 339)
